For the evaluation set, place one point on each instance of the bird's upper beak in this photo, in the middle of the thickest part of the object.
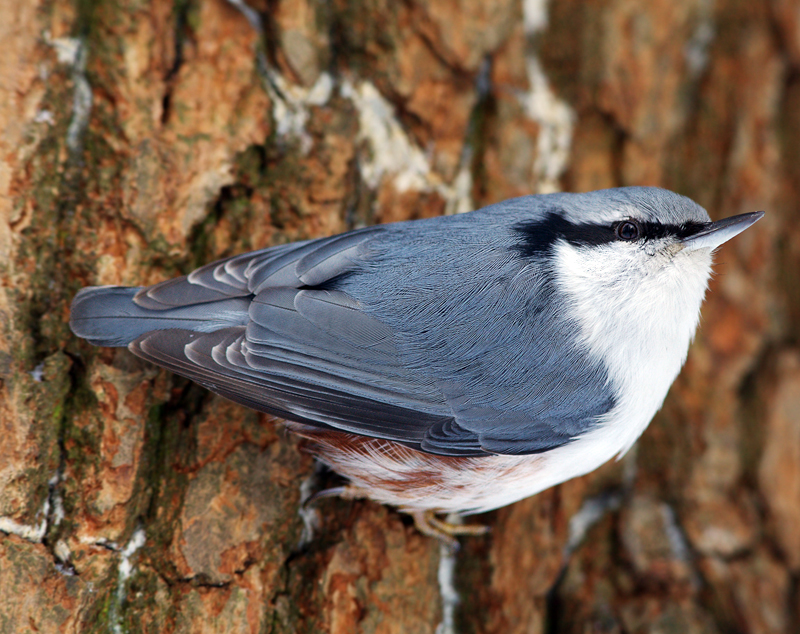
(713, 234)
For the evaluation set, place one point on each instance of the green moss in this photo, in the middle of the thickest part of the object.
(86, 18)
(80, 444)
(192, 12)
(142, 612)
(365, 34)
(98, 617)
(274, 173)
(160, 486)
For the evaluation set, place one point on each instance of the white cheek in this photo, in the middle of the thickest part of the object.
(638, 314)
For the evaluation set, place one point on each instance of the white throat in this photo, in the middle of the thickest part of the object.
(638, 313)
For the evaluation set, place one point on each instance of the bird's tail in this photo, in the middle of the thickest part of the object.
(110, 315)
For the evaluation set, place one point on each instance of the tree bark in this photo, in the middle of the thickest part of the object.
(140, 140)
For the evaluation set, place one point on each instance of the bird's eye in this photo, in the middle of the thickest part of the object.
(627, 230)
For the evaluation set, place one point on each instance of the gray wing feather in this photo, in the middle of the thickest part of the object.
(351, 351)
(280, 271)
(334, 258)
(178, 292)
(302, 263)
(215, 281)
(214, 360)
(110, 316)
(336, 313)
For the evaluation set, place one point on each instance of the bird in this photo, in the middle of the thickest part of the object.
(447, 365)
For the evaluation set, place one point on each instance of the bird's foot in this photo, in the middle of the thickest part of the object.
(426, 522)
(445, 531)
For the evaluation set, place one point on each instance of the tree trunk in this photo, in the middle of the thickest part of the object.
(140, 140)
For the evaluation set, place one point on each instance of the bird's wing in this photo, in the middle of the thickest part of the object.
(310, 356)
(306, 354)
(313, 353)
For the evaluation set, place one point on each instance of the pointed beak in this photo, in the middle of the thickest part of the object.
(713, 234)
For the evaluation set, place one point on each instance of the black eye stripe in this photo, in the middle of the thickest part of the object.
(536, 238)
(655, 230)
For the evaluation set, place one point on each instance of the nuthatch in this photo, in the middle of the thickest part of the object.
(446, 365)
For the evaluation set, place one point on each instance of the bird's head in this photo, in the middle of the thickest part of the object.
(631, 267)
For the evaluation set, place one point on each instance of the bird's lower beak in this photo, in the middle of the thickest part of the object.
(714, 234)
